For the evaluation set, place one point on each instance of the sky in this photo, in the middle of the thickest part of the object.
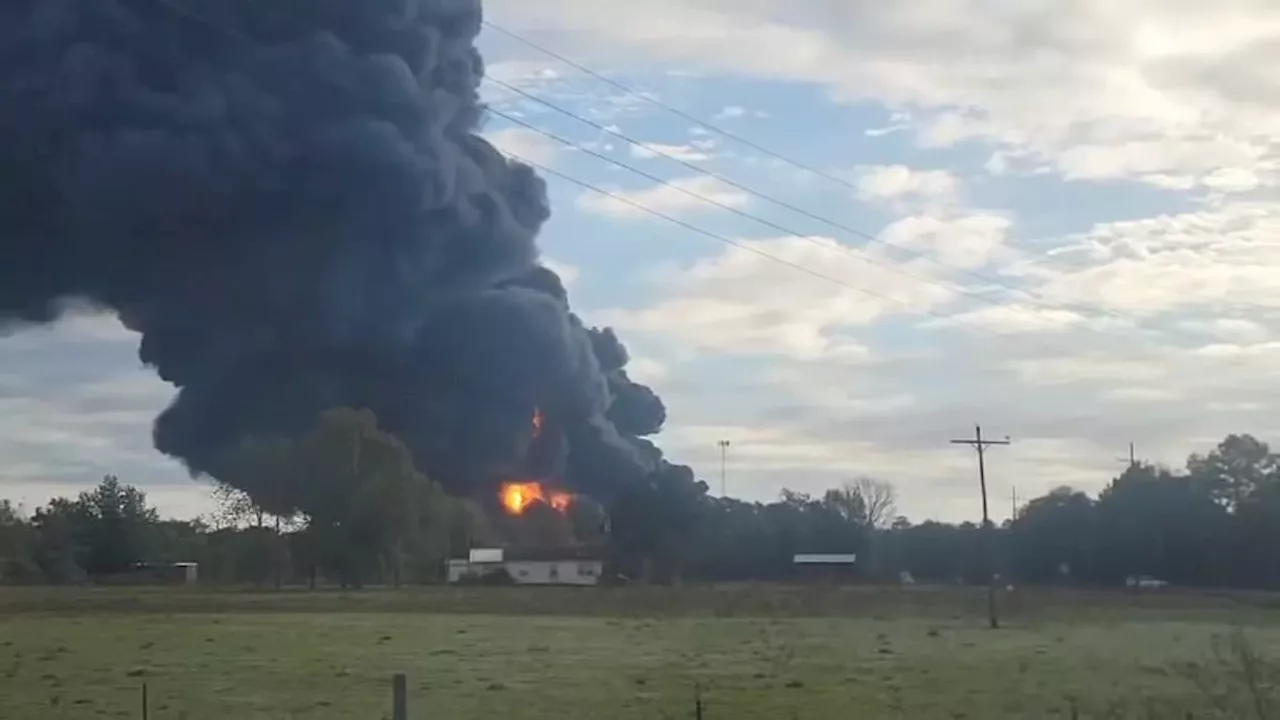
(1058, 219)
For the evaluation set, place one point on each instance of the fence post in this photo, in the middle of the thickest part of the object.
(144, 701)
(399, 697)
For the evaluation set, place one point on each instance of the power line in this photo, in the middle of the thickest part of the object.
(757, 251)
(649, 98)
(708, 233)
(242, 37)
(742, 213)
(190, 15)
(1036, 299)
(669, 108)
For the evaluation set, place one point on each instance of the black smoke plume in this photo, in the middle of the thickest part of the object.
(289, 200)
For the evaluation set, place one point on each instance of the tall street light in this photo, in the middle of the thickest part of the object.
(724, 467)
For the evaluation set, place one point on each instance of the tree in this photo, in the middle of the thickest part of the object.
(104, 531)
(1257, 537)
(16, 562)
(880, 500)
(233, 507)
(935, 552)
(55, 542)
(1154, 522)
(654, 522)
(363, 499)
(846, 501)
(1052, 539)
(1238, 467)
(112, 527)
(367, 513)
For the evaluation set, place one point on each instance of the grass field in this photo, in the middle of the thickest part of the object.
(757, 652)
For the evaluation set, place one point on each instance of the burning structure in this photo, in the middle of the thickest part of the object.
(292, 206)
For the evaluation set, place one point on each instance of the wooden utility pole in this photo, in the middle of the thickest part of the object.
(399, 697)
(977, 443)
(1133, 456)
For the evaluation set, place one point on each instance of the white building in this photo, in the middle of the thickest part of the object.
(833, 567)
(573, 566)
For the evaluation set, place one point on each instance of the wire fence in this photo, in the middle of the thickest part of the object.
(400, 708)
(399, 699)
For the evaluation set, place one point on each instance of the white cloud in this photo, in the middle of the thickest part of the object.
(680, 196)
(1232, 329)
(966, 240)
(688, 153)
(744, 302)
(1214, 259)
(1143, 394)
(182, 499)
(568, 273)
(525, 74)
(891, 184)
(887, 130)
(1217, 162)
(1168, 103)
(1014, 318)
(1152, 89)
(1233, 350)
(730, 112)
(1069, 370)
(78, 325)
(525, 144)
(647, 370)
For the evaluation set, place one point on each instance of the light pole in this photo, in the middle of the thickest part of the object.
(724, 467)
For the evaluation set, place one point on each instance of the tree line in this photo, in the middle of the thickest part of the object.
(345, 505)
(1215, 522)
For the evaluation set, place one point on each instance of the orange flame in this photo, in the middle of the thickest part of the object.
(517, 497)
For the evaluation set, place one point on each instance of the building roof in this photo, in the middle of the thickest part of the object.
(825, 559)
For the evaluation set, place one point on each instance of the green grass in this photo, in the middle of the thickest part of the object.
(86, 654)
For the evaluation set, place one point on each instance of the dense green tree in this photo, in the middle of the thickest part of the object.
(16, 561)
(1053, 537)
(1155, 522)
(112, 527)
(653, 523)
(363, 505)
(1238, 467)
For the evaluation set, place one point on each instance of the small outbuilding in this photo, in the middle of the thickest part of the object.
(825, 567)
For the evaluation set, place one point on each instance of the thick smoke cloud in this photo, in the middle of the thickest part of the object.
(289, 201)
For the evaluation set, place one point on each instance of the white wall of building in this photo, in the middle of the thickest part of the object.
(534, 572)
(555, 572)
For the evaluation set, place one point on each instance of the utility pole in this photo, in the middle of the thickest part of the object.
(724, 467)
(1133, 457)
(977, 443)
(1014, 516)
